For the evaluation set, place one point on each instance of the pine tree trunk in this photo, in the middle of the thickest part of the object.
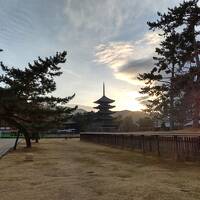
(37, 138)
(21, 129)
(16, 141)
(28, 140)
(171, 120)
(196, 104)
(26, 136)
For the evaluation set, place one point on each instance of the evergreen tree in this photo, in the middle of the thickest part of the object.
(84, 120)
(127, 124)
(179, 28)
(145, 124)
(25, 101)
(185, 19)
(159, 82)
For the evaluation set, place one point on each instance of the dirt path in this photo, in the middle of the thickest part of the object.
(74, 170)
(5, 145)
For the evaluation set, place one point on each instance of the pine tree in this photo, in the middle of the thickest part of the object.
(25, 101)
(181, 23)
(185, 19)
(159, 82)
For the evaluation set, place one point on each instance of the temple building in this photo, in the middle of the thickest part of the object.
(104, 114)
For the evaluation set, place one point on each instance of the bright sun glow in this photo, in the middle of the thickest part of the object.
(128, 101)
(124, 100)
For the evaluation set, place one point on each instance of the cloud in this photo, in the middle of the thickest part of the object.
(131, 69)
(109, 18)
(149, 39)
(136, 66)
(114, 54)
(100, 17)
(127, 59)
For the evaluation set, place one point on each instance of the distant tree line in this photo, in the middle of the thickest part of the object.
(128, 125)
(173, 84)
(86, 122)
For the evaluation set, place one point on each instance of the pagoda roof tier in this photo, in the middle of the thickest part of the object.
(104, 99)
(107, 106)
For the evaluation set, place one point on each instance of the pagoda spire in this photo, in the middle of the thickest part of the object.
(103, 89)
(104, 114)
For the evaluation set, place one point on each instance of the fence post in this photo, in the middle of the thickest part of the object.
(123, 141)
(158, 144)
(198, 145)
(132, 142)
(143, 147)
(176, 147)
(198, 149)
(150, 145)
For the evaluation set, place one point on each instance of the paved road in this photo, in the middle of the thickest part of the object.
(5, 145)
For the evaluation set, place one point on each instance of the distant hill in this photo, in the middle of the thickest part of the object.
(79, 110)
(82, 108)
(136, 115)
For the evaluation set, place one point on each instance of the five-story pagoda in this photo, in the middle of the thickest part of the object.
(104, 114)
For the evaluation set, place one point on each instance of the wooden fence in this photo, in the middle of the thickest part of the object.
(179, 147)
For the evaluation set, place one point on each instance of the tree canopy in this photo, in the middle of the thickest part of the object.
(176, 74)
(25, 101)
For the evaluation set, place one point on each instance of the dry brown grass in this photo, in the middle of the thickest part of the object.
(188, 130)
(74, 170)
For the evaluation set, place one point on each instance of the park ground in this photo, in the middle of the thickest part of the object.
(73, 170)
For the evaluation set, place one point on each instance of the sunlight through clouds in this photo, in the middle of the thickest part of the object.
(127, 59)
(128, 100)
(115, 54)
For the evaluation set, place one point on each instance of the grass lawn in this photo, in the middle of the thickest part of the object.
(73, 170)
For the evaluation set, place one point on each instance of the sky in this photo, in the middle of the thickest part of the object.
(106, 41)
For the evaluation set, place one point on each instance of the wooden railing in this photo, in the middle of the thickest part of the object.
(179, 147)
